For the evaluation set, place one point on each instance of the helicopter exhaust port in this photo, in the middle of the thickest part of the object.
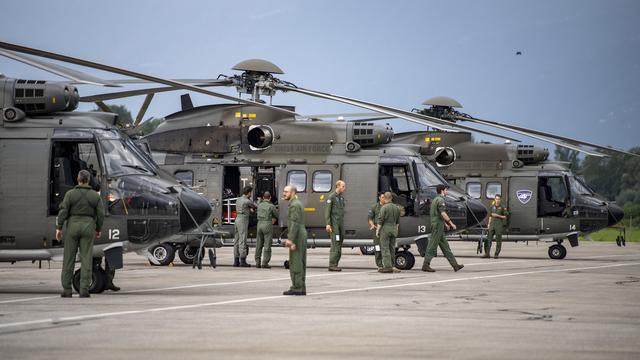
(260, 137)
(443, 156)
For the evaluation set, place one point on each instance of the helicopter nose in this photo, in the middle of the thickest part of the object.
(616, 213)
(195, 207)
(476, 212)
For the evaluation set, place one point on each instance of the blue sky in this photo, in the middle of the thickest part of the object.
(578, 75)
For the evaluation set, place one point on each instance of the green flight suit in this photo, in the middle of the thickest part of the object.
(496, 228)
(241, 226)
(334, 216)
(437, 237)
(83, 211)
(388, 219)
(297, 233)
(373, 214)
(264, 234)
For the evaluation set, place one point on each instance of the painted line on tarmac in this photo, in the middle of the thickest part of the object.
(27, 299)
(262, 298)
(490, 263)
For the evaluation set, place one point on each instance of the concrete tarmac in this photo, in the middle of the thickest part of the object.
(521, 306)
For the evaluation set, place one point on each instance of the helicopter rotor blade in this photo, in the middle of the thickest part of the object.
(115, 70)
(130, 93)
(564, 141)
(73, 75)
(143, 109)
(409, 116)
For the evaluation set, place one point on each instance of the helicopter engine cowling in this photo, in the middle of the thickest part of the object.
(370, 134)
(37, 97)
(529, 155)
(260, 137)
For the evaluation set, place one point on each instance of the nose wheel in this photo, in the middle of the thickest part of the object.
(404, 260)
(557, 252)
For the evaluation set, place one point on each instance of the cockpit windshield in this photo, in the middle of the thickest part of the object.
(428, 177)
(578, 186)
(121, 159)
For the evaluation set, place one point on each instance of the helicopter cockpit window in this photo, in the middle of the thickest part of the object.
(297, 178)
(428, 177)
(493, 189)
(578, 187)
(474, 189)
(120, 159)
(185, 176)
(322, 181)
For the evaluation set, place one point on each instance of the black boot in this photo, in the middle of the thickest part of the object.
(236, 262)
(243, 262)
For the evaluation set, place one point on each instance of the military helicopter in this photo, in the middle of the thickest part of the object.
(546, 200)
(43, 145)
(217, 149)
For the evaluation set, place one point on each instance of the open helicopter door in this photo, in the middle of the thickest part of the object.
(523, 193)
(314, 184)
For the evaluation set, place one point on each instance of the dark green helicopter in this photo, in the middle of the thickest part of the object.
(43, 145)
(217, 149)
(546, 200)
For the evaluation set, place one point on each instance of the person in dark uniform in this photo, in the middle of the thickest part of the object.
(83, 212)
(296, 242)
(388, 221)
(439, 222)
(334, 218)
(371, 218)
(497, 221)
(267, 215)
(244, 207)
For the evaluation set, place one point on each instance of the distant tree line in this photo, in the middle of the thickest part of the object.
(125, 119)
(616, 177)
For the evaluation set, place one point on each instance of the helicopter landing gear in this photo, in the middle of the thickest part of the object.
(163, 254)
(98, 278)
(368, 250)
(404, 260)
(187, 254)
(557, 251)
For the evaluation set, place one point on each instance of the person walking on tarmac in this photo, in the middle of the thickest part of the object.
(244, 207)
(267, 216)
(334, 218)
(439, 222)
(83, 212)
(497, 222)
(388, 221)
(371, 218)
(296, 242)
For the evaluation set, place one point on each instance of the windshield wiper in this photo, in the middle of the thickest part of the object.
(137, 167)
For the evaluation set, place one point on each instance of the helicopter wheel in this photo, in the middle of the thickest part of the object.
(557, 252)
(368, 250)
(404, 260)
(98, 281)
(286, 264)
(163, 254)
(188, 253)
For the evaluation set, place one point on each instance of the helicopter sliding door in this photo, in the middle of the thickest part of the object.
(523, 192)
(314, 184)
(362, 183)
(23, 185)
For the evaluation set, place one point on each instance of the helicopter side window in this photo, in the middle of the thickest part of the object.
(493, 189)
(552, 196)
(322, 181)
(474, 189)
(297, 178)
(185, 176)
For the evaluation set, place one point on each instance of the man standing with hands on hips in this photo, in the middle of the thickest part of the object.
(334, 218)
